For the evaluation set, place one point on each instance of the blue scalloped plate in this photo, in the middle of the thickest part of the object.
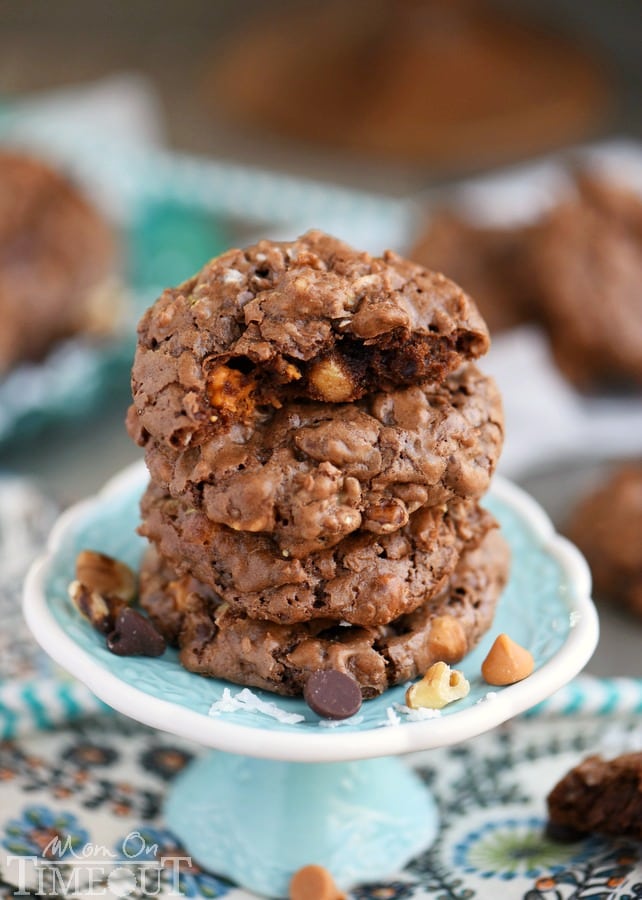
(546, 607)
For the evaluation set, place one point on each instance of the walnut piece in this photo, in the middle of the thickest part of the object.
(103, 587)
(105, 575)
(100, 611)
(386, 517)
(440, 686)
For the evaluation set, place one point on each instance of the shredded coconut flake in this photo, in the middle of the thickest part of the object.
(487, 698)
(391, 717)
(248, 701)
(233, 276)
(337, 723)
(417, 715)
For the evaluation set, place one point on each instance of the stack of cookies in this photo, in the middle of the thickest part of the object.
(318, 439)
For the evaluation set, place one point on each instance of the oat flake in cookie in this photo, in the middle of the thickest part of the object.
(311, 318)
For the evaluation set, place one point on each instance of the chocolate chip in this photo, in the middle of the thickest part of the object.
(332, 694)
(134, 635)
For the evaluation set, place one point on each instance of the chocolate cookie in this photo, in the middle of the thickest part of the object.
(600, 795)
(365, 579)
(607, 527)
(56, 252)
(311, 473)
(586, 267)
(486, 261)
(219, 640)
(311, 318)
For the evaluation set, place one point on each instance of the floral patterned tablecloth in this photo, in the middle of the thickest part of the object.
(100, 783)
(79, 786)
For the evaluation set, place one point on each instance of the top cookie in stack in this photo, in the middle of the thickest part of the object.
(318, 437)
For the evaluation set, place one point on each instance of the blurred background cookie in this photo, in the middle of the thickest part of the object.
(486, 261)
(58, 261)
(576, 270)
(607, 527)
(585, 262)
(385, 80)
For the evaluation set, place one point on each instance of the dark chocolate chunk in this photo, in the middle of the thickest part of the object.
(332, 694)
(134, 635)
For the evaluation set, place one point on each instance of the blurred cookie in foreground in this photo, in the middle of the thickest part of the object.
(586, 266)
(598, 795)
(607, 527)
(57, 261)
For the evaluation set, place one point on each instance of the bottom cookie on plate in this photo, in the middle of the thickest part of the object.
(218, 641)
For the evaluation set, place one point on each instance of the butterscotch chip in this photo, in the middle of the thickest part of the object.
(447, 639)
(231, 394)
(311, 473)
(507, 662)
(218, 639)
(314, 883)
(278, 313)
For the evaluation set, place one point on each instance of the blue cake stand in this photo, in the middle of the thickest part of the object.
(288, 790)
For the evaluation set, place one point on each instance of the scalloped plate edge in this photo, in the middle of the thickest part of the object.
(328, 746)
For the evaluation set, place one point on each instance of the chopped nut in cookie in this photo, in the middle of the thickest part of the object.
(440, 686)
(330, 381)
(507, 662)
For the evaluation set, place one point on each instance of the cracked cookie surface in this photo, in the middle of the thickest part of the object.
(365, 579)
(311, 318)
(311, 473)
